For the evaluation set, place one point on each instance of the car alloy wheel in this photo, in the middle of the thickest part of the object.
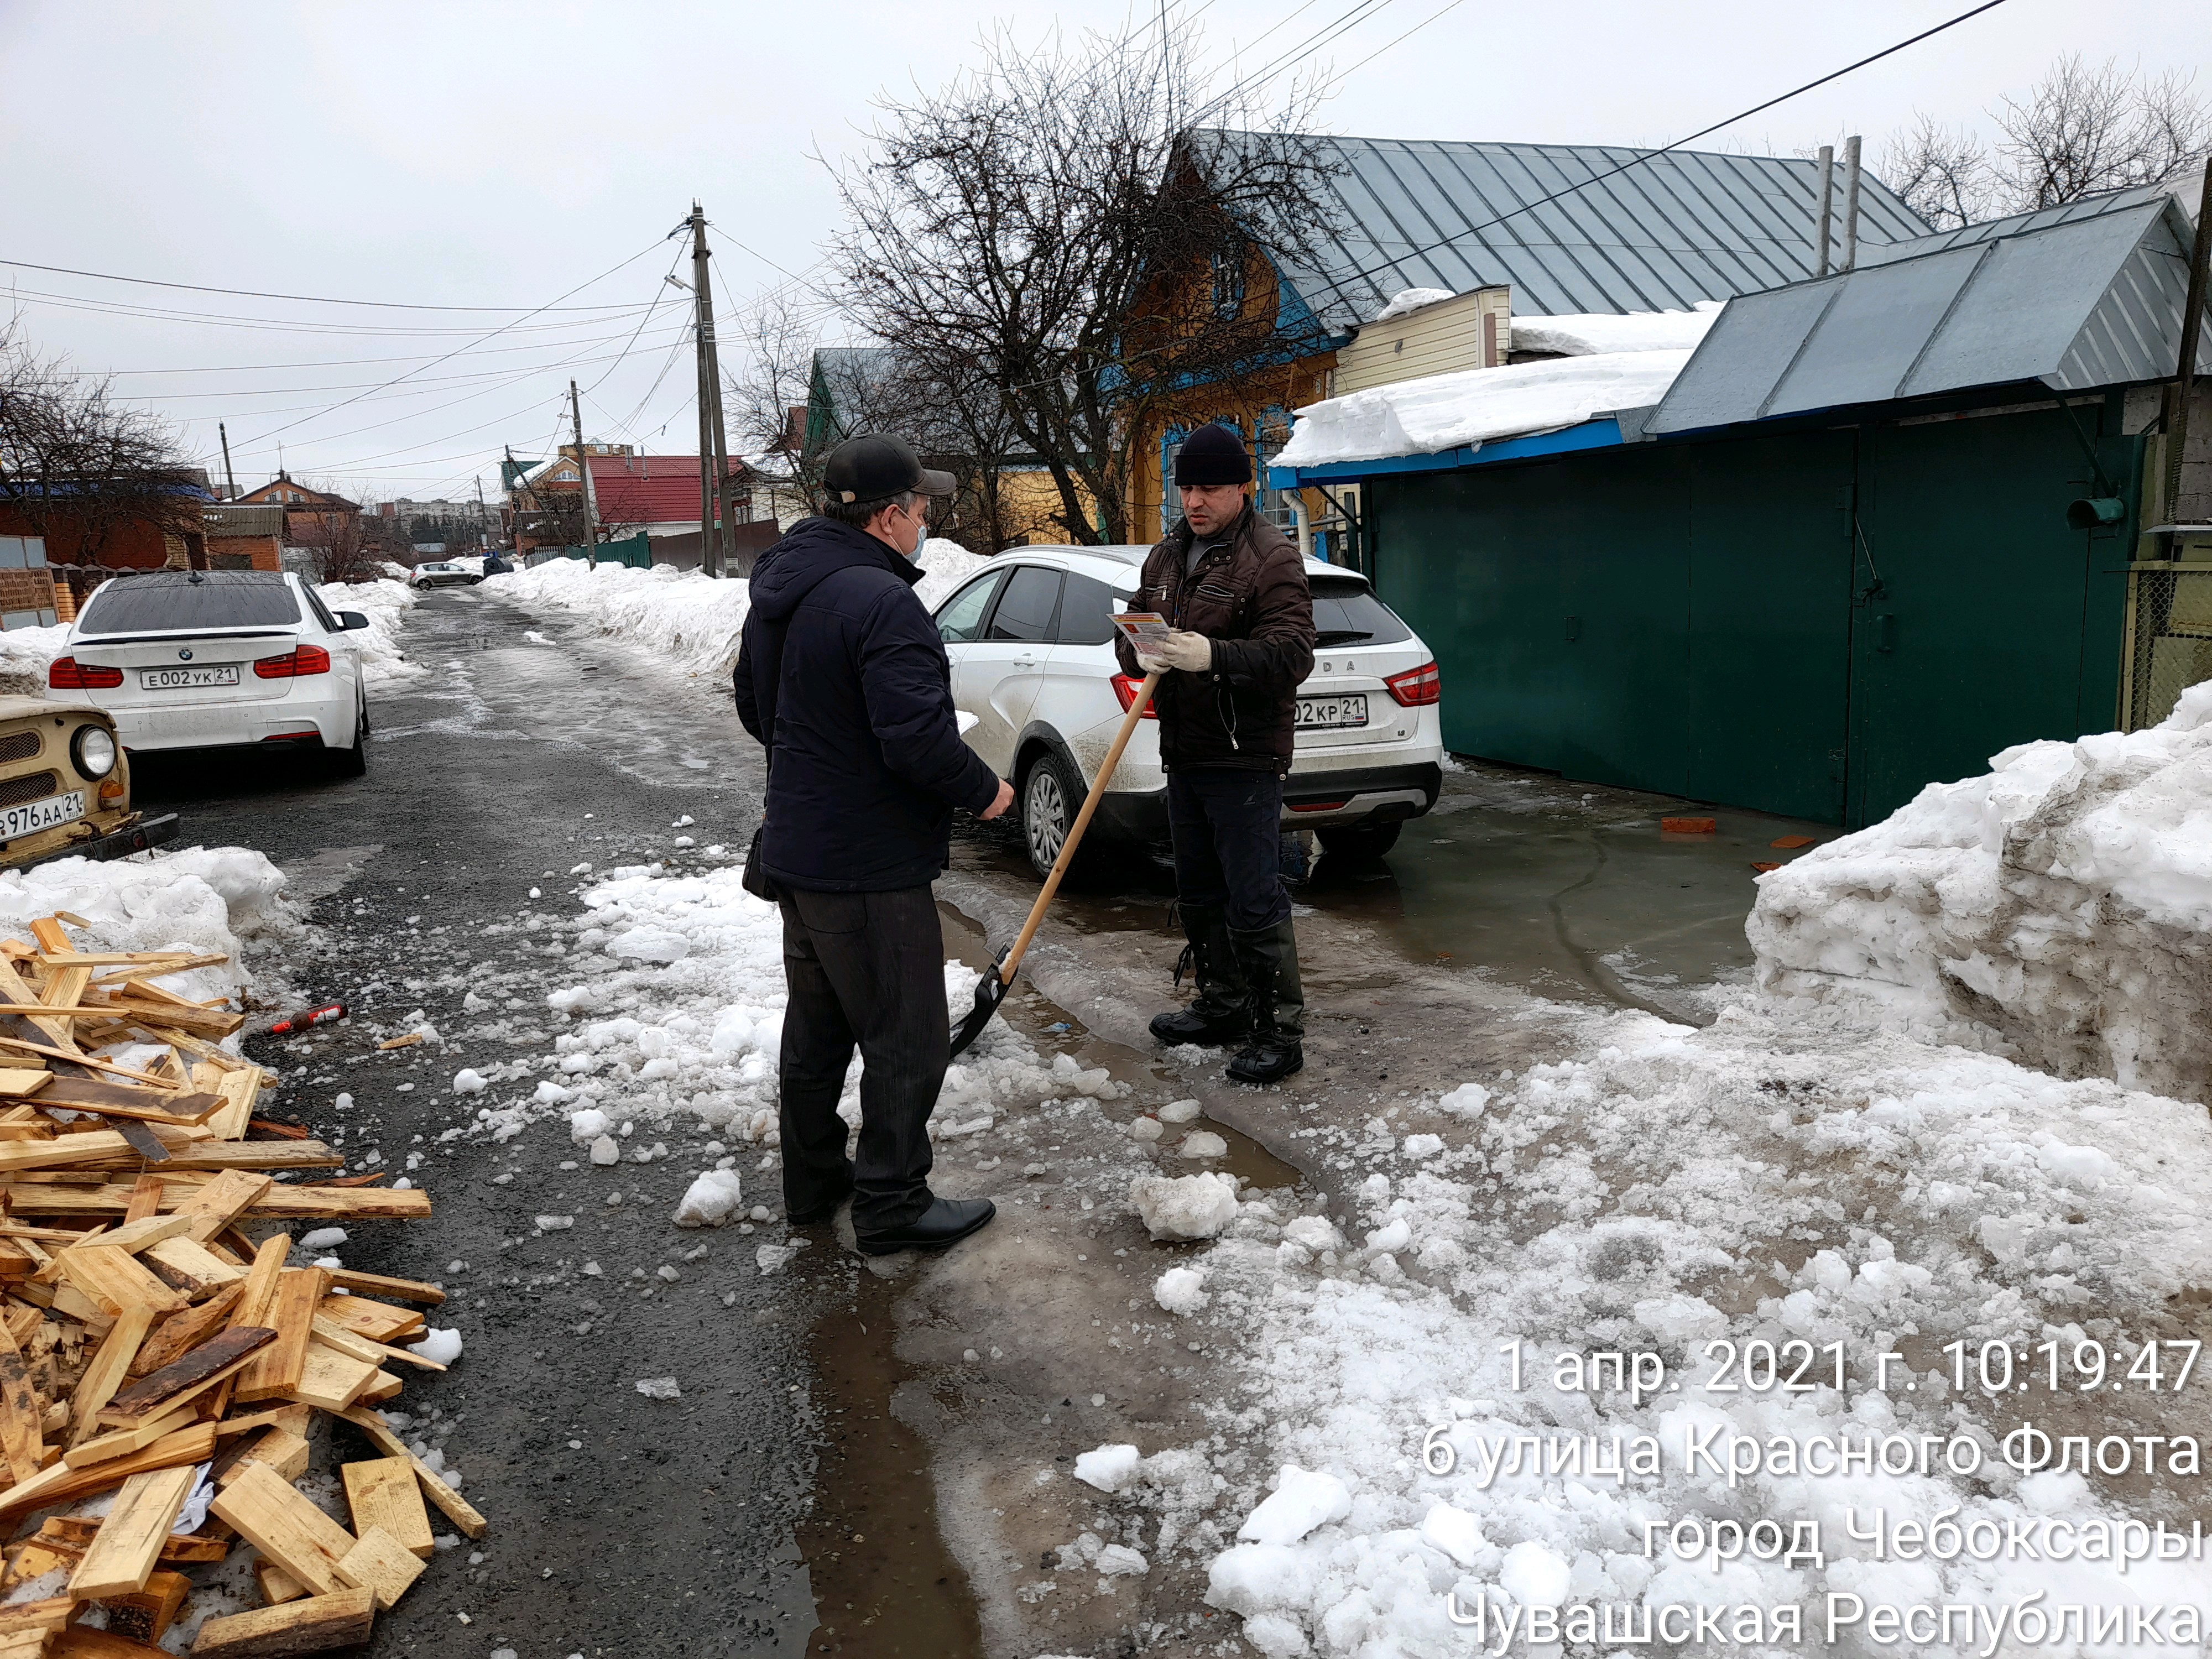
(1045, 815)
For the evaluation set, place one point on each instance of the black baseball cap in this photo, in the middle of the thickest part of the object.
(876, 466)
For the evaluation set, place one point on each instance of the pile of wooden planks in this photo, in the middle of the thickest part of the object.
(154, 1344)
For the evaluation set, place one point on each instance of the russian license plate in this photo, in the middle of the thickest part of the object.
(179, 679)
(34, 816)
(1331, 713)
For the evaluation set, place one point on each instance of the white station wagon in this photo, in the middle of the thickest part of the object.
(1033, 662)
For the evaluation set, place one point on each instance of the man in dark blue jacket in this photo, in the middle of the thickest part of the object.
(841, 674)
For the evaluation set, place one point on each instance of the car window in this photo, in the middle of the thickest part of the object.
(322, 611)
(1086, 607)
(1348, 613)
(1025, 608)
(164, 600)
(960, 618)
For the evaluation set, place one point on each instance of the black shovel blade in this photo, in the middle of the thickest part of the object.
(990, 992)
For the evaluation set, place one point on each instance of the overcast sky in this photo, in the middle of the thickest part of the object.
(498, 155)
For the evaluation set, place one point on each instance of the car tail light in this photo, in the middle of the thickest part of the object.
(1126, 689)
(1417, 688)
(68, 674)
(308, 660)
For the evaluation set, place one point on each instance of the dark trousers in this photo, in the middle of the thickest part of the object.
(1227, 829)
(865, 970)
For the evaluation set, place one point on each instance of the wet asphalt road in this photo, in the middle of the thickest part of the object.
(669, 1529)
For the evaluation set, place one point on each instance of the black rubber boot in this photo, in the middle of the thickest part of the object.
(1269, 958)
(1221, 1012)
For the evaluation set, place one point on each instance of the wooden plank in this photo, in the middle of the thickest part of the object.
(17, 1083)
(193, 1268)
(109, 1366)
(239, 1091)
(115, 1280)
(220, 1202)
(338, 1621)
(276, 1585)
(331, 1381)
(146, 1616)
(121, 1443)
(378, 1322)
(82, 1642)
(123, 1553)
(77, 1531)
(380, 1563)
(76, 1058)
(282, 1203)
(50, 1614)
(399, 1290)
(250, 1155)
(381, 1492)
(60, 1482)
(285, 1526)
(214, 1359)
(182, 1331)
(62, 1151)
(274, 1373)
(22, 1432)
(145, 1198)
(16, 988)
(382, 1387)
(280, 1449)
(139, 1235)
(456, 1508)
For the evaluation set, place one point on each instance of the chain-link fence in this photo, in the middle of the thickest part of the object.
(2169, 637)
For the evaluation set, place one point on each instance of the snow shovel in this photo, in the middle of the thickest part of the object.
(991, 990)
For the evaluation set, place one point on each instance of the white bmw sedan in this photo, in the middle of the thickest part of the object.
(219, 658)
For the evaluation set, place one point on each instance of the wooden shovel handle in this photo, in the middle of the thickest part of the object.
(1138, 704)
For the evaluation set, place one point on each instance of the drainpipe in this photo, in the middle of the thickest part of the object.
(1305, 524)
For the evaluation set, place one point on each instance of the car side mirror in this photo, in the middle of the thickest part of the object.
(350, 620)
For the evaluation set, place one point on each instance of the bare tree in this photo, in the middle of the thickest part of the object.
(1942, 172)
(2082, 130)
(71, 458)
(1075, 227)
(773, 344)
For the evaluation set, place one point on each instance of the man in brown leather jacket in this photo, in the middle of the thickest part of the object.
(1233, 590)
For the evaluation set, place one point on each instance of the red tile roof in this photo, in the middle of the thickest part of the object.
(650, 488)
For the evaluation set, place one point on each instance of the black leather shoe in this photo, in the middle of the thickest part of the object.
(946, 1221)
(1197, 1023)
(814, 1214)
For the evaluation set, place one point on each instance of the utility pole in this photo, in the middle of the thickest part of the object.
(1851, 203)
(2185, 378)
(1827, 166)
(584, 466)
(714, 450)
(483, 534)
(229, 478)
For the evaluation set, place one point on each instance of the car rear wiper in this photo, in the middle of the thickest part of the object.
(1341, 636)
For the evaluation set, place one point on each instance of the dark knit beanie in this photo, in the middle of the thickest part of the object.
(1212, 455)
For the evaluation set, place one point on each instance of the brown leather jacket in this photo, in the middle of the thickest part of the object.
(1248, 595)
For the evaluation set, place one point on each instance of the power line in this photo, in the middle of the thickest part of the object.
(275, 324)
(275, 391)
(1652, 154)
(304, 299)
(1334, 80)
(496, 333)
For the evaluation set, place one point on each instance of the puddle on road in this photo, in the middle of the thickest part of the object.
(886, 1585)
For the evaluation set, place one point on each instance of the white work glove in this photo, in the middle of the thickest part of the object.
(1192, 652)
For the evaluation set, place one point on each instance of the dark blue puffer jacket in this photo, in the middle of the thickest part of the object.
(866, 762)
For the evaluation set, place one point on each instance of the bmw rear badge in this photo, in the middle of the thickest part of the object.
(185, 655)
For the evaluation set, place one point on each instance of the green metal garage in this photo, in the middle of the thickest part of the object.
(1775, 589)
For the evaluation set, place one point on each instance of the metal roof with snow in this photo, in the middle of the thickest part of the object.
(1674, 228)
(2084, 297)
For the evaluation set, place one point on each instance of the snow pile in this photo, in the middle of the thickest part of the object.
(202, 899)
(678, 1011)
(1469, 409)
(687, 617)
(1181, 1290)
(385, 603)
(1597, 335)
(1407, 299)
(1683, 1195)
(24, 654)
(1109, 1468)
(711, 1200)
(2057, 908)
